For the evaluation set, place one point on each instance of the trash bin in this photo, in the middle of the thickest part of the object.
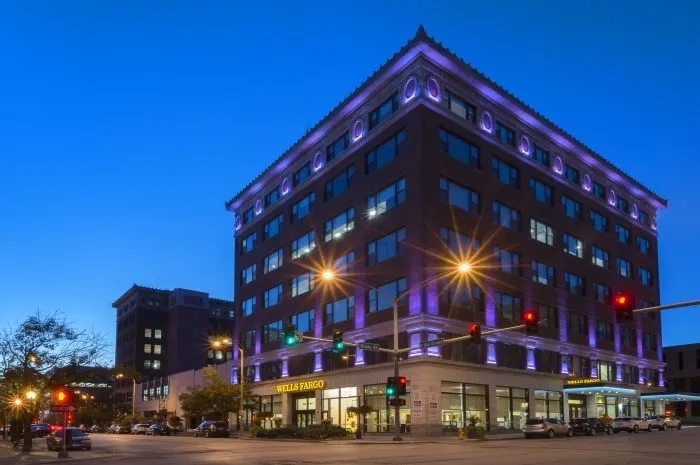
(68, 437)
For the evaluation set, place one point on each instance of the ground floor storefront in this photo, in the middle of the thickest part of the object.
(442, 397)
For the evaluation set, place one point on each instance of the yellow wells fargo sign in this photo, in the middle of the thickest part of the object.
(300, 386)
(582, 381)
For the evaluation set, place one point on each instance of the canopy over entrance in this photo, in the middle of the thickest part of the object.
(672, 397)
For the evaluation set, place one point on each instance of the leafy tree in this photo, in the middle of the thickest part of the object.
(214, 400)
(43, 352)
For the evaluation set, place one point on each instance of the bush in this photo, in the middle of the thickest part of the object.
(288, 432)
(254, 431)
(291, 432)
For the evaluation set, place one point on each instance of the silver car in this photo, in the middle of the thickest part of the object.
(546, 427)
(630, 424)
(663, 422)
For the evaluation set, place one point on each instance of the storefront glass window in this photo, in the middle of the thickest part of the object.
(335, 403)
(549, 404)
(511, 409)
(461, 402)
(382, 419)
(271, 404)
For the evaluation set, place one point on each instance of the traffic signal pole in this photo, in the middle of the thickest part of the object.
(658, 308)
(397, 354)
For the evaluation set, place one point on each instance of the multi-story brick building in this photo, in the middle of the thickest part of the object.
(161, 332)
(683, 381)
(429, 163)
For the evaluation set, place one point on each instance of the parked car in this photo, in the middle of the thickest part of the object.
(212, 429)
(546, 427)
(590, 426)
(78, 440)
(630, 424)
(40, 430)
(663, 422)
(139, 428)
(158, 429)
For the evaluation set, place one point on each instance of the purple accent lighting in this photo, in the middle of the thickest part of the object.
(285, 368)
(640, 344)
(594, 368)
(565, 365)
(257, 372)
(618, 375)
(258, 207)
(234, 376)
(662, 381)
(318, 319)
(286, 186)
(524, 145)
(491, 353)
(558, 166)
(587, 184)
(591, 331)
(359, 309)
(432, 298)
(612, 198)
(415, 294)
(359, 357)
(489, 308)
(642, 379)
(563, 315)
(318, 362)
(318, 161)
(433, 88)
(237, 222)
(659, 348)
(635, 212)
(653, 222)
(358, 130)
(531, 358)
(617, 337)
(410, 89)
(487, 122)
(414, 339)
(258, 342)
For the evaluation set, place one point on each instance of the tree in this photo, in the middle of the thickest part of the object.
(214, 400)
(362, 411)
(40, 354)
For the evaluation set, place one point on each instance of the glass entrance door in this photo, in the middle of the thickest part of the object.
(304, 418)
(577, 407)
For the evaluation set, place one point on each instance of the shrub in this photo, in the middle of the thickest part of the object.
(254, 431)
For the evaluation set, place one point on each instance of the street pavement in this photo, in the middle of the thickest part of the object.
(670, 448)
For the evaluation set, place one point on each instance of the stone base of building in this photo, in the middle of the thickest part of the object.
(422, 431)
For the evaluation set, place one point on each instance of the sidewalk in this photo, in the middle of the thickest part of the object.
(387, 439)
(40, 454)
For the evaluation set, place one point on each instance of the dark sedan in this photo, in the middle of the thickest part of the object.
(212, 429)
(77, 440)
(157, 429)
(590, 426)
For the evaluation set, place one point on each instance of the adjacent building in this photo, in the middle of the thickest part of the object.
(426, 165)
(683, 381)
(160, 332)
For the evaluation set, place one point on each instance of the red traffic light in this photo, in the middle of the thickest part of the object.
(402, 380)
(62, 396)
(530, 316)
(473, 328)
(623, 303)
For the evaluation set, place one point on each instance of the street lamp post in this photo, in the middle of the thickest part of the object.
(241, 382)
(463, 268)
(133, 396)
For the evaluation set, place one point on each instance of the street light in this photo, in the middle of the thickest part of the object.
(227, 342)
(133, 396)
(328, 275)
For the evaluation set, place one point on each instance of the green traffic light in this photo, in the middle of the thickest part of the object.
(339, 346)
(291, 340)
(390, 391)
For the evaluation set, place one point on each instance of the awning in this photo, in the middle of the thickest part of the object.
(672, 397)
(609, 390)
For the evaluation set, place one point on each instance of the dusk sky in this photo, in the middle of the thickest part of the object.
(125, 126)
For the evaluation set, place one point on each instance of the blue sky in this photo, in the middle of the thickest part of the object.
(124, 126)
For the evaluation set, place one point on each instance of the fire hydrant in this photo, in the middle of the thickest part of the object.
(461, 434)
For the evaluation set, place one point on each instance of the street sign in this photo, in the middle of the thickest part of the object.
(433, 343)
(63, 408)
(402, 402)
(368, 346)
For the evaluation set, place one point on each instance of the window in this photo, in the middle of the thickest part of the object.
(148, 333)
(147, 348)
(601, 293)
(385, 153)
(273, 227)
(505, 134)
(649, 344)
(508, 306)
(382, 297)
(248, 243)
(157, 349)
(680, 361)
(573, 245)
(341, 183)
(508, 261)
(628, 336)
(271, 331)
(505, 216)
(303, 245)
(157, 334)
(460, 107)
(624, 267)
(604, 331)
(387, 199)
(623, 205)
(303, 207)
(344, 263)
(248, 339)
(543, 273)
(304, 322)
(644, 217)
(383, 111)
(302, 174)
(386, 247)
(576, 285)
(272, 197)
(572, 208)
(572, 175)
(505, 173)
(338, 226)
(543, 192)
(549, 316)
(302, 284)
(340, 310)
(459, 244)
(272, 261)
(599, 222)
(599, 257)
(577, 323)
(598, 190)
(459, 196)
(248, 274)
(272, 296)
(155, 364)
(541, 156)
(248, 215)
(458, 294)
(622, 234)
(643, 244)
(248, 306)
(645, 277)
(541, 232)
(334, 150)
(459, 149)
